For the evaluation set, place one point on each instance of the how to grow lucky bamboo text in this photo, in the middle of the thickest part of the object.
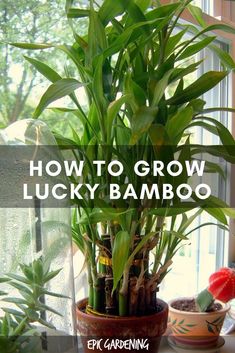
(141, 181)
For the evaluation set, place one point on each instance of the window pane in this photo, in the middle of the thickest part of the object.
(207, 6)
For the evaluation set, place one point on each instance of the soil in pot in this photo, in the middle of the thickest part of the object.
(191, 306)
(121, 334)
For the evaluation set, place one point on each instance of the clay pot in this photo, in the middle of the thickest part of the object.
(196, 329)
(118, 334)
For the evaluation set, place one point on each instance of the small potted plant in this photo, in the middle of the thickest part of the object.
(133, 64)
(197, 322)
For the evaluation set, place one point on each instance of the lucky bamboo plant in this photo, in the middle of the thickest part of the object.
(133, 65)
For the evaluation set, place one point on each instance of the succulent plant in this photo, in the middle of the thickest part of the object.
(18, 333)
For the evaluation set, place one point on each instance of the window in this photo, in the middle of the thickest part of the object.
(207, 248)
(207, 6)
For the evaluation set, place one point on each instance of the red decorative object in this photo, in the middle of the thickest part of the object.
(222, 284)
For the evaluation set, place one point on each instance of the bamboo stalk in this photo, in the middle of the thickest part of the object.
(99, 294)
(123, 293)
(123, 304)
(153, 299)
(133, 301)
(142, 307)
(147, 296)
(110, 298)
(91, 293)
(91, 296)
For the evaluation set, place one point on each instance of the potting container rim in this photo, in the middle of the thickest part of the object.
(83, 302)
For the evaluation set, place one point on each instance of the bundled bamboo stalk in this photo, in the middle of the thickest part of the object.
(110, 298)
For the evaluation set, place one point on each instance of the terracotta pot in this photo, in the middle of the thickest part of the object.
(196, 329)
(118, 334)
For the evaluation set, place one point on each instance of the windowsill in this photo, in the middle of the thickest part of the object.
(227, 348)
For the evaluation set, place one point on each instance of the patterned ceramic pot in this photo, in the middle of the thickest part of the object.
(196, 329)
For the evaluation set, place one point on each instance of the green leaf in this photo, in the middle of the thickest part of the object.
(158, 135)
(223, 27)
(221, 226)
(51, 275)
(225, 136)
(211, 167)
(21, 287)
(142, 120)
(109, 10)
(57, 90)
(97, 84)
(133, 11)
(15, 300)
(48, 308)
(32, 315)
(178, 123)
(175, 210)
(221, 209)
(96, 43)
(217, 213)
(143, 4)
(218, 151)
(173, 41)
(120, 255)
(95, 217)
(4, 280)
(197, 105)
(18, 278)
(217, 109)
(127, 36)
(216, 202)
(225, 58)
(5, 325)
(32, 46)
(163, 11)
(160, 88)
(13, 312)
(230, 212)
(52, 294)
(195, 48)
(44, 69)
(197, 13)
(19, 329)
(113, 109)
(184, 225)
(78, 13)
(47, 324)
(202, 85)
(211, 128)
(181, 72)
(175, 234)
(37, 268)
